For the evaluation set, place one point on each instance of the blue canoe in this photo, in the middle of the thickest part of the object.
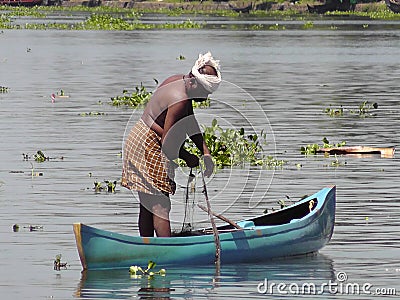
(301, 228)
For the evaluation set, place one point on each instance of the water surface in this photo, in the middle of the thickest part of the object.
(279, 81)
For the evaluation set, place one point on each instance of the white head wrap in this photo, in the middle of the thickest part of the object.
(209, 82)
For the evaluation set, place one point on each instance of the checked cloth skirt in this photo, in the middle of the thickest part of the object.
(145, 167)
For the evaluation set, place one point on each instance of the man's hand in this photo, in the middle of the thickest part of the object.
(208, 161)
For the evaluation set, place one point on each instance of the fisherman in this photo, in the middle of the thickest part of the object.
(158, 137)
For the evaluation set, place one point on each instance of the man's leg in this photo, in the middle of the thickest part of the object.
(160, 206)
(146, 227)
(161, 220)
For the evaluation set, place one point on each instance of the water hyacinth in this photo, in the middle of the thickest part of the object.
(138, 272)
(40, 156)
(139, 97)
(363, 110)
(3, 89)
(313, 148)
(232, 147)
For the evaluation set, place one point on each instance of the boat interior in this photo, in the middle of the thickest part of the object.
(279, 217)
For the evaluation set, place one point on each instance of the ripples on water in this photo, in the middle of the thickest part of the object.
(293, 75)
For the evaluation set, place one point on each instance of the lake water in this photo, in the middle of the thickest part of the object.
(279, 81)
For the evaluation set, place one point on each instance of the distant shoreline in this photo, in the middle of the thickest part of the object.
(200, 6)
(189, 5)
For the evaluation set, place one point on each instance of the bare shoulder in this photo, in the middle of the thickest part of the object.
(172, 78)
(172, 90)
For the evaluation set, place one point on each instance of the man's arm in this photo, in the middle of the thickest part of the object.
(200, 143)
(195, 133)
(174, 133)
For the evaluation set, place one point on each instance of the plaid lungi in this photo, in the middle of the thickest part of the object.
(145, 167)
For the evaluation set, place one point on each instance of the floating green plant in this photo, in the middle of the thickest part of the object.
(16, 227)
(231, 147)
(364, 109)
(308, 25)
(92, 113)
(33, 173)
(202, 104)
(258, 27)
(313, 148)
(100, 20)
(3, 89)
(139, 97)
(138, 272)
(106, 185)
(106, 22)
(334, 112)
(40, 156)
(277, 27)
(58, 264)
(336, 163)
(61, 93)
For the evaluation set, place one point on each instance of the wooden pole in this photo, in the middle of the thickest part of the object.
(221, 217)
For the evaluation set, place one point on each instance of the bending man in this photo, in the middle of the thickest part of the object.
(158, 138)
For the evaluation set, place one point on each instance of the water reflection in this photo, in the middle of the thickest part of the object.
(189, 282)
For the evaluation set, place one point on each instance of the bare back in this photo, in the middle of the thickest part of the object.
(170, 91)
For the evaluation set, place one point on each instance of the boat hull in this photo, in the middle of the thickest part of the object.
(99, 249)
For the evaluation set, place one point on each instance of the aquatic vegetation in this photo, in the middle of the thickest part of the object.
(23, 11)
(378, 13)
(106, 22)
(139, 97)
(312, 148)
(58, 264)
(17, 227)
(231, 147)
(92, 113)
(40, 156)
(334, 112)
(138, 272)
(202, 104)
(336, 163)
(61, 93)
(364, 109)
(276, 27)
(117, 18)
(308, 25)
(181, 57)
(257, 27)
(109, 186)
(188, 24)
(3, 89)
(100, 19)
